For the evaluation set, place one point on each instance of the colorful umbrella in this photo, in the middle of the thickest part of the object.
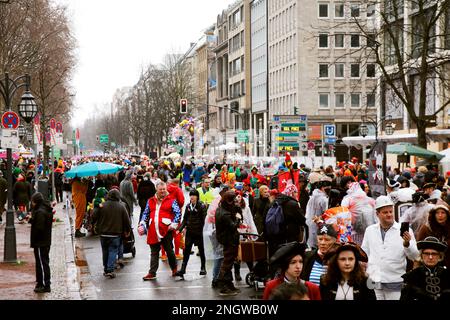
(92, 169)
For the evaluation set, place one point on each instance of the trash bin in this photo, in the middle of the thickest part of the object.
(43, 188)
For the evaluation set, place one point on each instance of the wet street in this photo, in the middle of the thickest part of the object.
(128, 285)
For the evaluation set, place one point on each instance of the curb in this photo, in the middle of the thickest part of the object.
(72, 280)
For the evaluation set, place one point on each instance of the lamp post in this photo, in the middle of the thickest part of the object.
(27, 107)
(364, 129)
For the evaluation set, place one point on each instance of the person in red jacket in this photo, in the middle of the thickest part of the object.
(175, 192)
(289, 257)
(160, 218)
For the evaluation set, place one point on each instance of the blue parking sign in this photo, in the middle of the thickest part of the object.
(330, 130)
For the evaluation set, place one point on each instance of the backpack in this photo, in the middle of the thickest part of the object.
(274, 220)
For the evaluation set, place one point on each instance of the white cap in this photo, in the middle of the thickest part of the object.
(383, 201)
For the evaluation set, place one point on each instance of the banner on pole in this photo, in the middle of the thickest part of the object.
(377, 169)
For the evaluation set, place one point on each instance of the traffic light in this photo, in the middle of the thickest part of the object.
(295, 111)
(183, 106)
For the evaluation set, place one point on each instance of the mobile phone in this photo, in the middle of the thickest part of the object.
(404, 227)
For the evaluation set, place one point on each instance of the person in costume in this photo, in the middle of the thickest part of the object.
(289, 258)
(430, 281)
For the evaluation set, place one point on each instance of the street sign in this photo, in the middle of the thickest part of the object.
(10, 120)
(303, 146)
(10, 138)
(330, 140)
(330, 131)
(104, 138)
(242, 136)
(311, 145)
(288, 146)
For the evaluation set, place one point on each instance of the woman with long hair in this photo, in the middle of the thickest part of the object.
(345, 278)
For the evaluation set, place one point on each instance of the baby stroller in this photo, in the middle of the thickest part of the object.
(128, 244)
(255, 251)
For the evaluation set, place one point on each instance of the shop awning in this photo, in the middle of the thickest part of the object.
(437, 135)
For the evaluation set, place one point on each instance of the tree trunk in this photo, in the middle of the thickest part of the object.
(421, 134)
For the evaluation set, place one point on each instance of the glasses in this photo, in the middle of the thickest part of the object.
(431, 254)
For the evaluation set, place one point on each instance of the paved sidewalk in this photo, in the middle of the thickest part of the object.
(17, 281)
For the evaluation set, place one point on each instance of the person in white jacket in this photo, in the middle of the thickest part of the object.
(387, 251)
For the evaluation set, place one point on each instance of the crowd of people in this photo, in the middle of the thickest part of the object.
(327, 238)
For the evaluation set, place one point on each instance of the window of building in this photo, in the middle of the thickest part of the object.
(323, 10)
(323, 70)
(355, 10)
(339, 100)
(323, 40)
(324, 100)
(354, 41)
(370, 70)
(339, 70)
(339, 10)
(339, 40)
(354, 70)
(355, 100)
(371, 100)
(243, 87)
(371, 40)
(370, 10)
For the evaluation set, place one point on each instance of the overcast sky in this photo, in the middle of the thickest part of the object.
(117, 37)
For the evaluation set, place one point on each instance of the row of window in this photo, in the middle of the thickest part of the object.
(237, 42)
(283, 51)
(342, 100)
(282, 80)
(341, 10)
(283, 105)
(237, 89)
(236, 66)
(339, 70)
(236, 18)
(283, 23)
(339, 40)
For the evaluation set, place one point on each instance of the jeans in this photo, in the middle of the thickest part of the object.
(120, 250)
(216, 268)
(110, 249)
(166, 242)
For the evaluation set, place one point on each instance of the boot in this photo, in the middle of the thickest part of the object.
(237, 272)
(182, 271)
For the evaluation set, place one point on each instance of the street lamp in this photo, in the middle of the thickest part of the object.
(8, 88)
(22, 131)
(364, 129)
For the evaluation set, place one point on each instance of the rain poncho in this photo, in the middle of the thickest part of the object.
(417, 215)
(361, 207)
(213, 249)
(317, 205)
(248, 224)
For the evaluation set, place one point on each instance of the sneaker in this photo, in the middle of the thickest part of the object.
(179, 257)
(110, 275)
(228, 292)
(120, 264)
(203, 272)
(149, 276)
(164, 258)
(79, 234)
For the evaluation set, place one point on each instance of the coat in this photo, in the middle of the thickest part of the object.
(168, 213)
(146, 190)
(415, 285)
(308, 263)
(313, 290)
(22, 193)
(79, 190)
(127, 192)
(431, 229)
(360, 291)
(41, 226)
(194, 219)
(112, 218)
(176, 193)
(259, 211)
(226, 227)
(3, 192)
(294, 218)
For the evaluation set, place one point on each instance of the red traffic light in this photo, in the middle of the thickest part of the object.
(183, 106)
